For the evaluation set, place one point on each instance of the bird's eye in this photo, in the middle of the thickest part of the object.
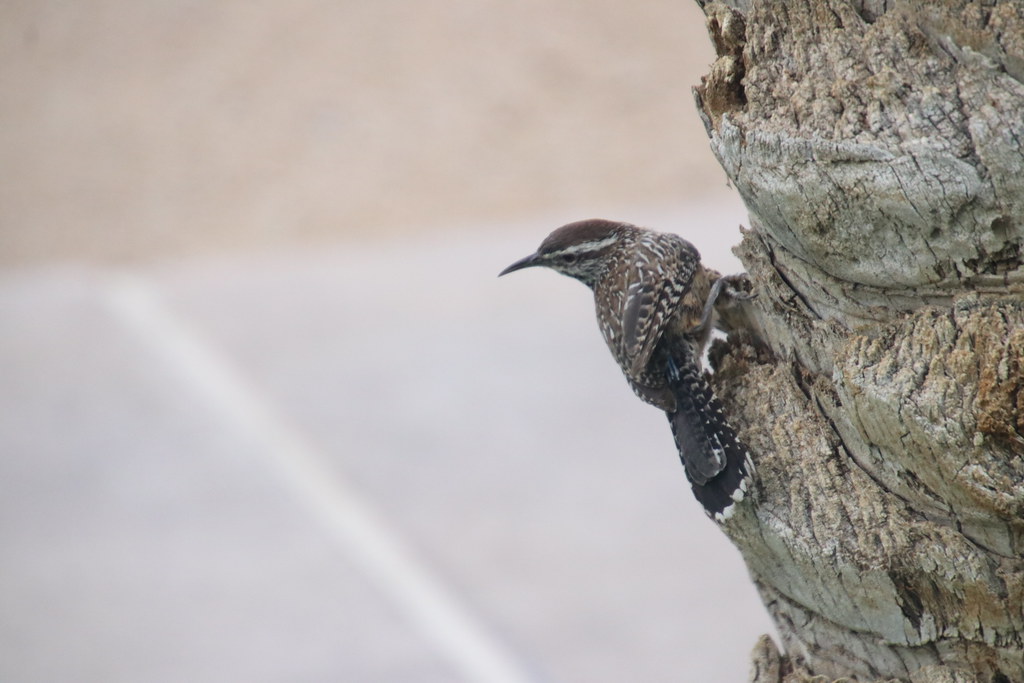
(568, 258)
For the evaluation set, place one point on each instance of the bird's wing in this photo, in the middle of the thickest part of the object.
(653, 293)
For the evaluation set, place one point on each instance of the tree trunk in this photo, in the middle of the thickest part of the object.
(878, 147)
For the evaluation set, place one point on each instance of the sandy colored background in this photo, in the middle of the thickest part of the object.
(267, 414)
(134, 130)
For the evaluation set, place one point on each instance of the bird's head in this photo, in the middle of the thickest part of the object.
(581, 250)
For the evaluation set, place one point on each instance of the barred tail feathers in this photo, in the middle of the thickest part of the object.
(717, 464)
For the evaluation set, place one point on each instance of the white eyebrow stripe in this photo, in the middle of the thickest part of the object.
(588, 246)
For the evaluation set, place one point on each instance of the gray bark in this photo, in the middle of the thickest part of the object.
(879, 148)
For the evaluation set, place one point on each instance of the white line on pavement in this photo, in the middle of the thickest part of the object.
(368, 541)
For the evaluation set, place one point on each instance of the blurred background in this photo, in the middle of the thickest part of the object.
(267, 414)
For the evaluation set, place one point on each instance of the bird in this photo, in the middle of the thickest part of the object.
(655, 305)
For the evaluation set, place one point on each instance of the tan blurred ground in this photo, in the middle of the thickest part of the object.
(137, 130)
(372, 461)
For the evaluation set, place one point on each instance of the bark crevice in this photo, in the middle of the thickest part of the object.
(877, 146)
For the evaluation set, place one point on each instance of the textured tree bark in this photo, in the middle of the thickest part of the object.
(879, 147)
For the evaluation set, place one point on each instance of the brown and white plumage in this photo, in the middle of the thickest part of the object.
(654, 302)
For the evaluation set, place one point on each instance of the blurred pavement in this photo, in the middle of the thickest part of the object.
(359, 464)
(266, 412)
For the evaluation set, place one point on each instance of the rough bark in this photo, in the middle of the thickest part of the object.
(878, 147)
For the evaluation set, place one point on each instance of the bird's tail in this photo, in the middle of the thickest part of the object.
(717, 464)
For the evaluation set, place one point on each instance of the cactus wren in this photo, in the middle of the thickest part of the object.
(655, 307)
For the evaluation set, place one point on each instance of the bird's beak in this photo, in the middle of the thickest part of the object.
(530, 260)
